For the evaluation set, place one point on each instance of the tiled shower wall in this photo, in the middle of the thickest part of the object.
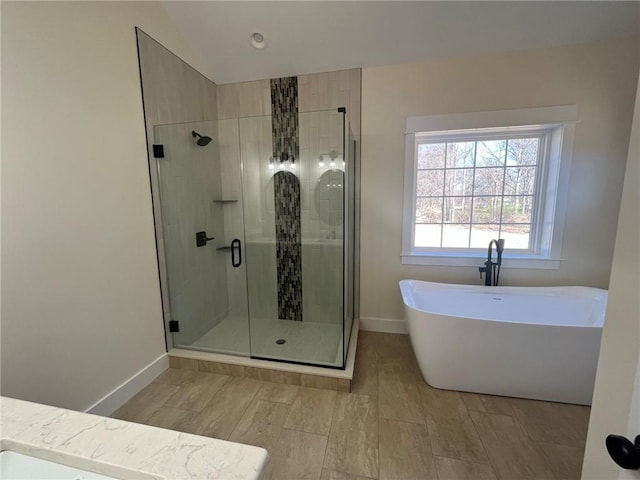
(189, 179)
(323, 91)
(175, 93)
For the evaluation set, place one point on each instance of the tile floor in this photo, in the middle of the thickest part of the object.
(392, 425)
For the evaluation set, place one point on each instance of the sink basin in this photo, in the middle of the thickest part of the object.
(18, 466)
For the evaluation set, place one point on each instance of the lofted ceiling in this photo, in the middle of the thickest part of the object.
(307, 36)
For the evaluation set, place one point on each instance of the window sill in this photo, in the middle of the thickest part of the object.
(477, 260)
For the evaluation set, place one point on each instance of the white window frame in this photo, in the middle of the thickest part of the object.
(559, 123)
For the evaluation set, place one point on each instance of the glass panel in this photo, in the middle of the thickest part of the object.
(431, 155)
(294, 223)
(491, 153)
(455, 236)
(516, 235)
(517, 209)
(488, 181)
(457, 209)
(519, 180)
(429, 210)
(460, 154)
(430, 183)
(200, 191)
(522, 151)
(486, 209)
(481, 235)
(349, 246)
(427, 235)
(458, 182)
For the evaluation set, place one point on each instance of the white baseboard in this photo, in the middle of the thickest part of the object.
(123, 393)
(385, 325)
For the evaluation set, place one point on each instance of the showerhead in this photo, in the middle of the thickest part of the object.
(202, 141)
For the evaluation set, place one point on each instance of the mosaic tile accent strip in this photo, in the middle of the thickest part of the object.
(286, 146)
(284, 109)
(288, 245)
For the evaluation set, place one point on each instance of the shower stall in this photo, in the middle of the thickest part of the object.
(258, 236)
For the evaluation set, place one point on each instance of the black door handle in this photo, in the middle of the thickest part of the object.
(202, 239)
(623, 452)
(236, 243)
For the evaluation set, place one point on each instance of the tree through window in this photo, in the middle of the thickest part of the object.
(472, 189)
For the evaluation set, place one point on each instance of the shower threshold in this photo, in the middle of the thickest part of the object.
(268, 370)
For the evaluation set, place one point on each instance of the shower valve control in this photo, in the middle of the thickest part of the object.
(202, 239)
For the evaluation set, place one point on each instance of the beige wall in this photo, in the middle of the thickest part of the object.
(620, 348)
(81, 308)
(600, 79)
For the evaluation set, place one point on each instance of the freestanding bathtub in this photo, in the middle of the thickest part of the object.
(528, 342)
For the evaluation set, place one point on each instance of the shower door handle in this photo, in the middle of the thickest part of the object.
(236, 243)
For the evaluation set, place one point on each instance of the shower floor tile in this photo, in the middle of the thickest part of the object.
(229, 336)
(308, 342)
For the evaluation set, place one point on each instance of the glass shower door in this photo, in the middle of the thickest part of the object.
(294, 227)
(201, 208)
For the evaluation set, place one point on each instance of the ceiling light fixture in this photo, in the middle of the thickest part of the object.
(257, 40)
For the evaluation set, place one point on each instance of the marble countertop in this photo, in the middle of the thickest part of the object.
(122, 449)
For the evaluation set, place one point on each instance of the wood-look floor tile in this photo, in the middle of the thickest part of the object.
(365, 378)
(297, 455)
(195, 393)
(176, 376)
(398, 395)
(254, 372)
(451, 430)
(312, 411)
(452, 469)
(513, 454)
(333, 475)
(488, 403)
(183, 363)
(221, 368)
(173, 419)
(367, 348)
(344, 385)
(319, 381)
(140, 408)
(549, 422)
(353, 441)
(278, 376)
(365, 371)
(405, 452)
(396, 350)
(278, 392)
(261, 424)
(566, 462)
(221, 415)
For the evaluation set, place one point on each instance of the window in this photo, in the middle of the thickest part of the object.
(470, 178)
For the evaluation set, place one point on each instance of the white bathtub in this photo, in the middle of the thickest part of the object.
(528, 342)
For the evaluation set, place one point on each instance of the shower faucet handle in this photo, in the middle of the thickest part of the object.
(202, 239)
